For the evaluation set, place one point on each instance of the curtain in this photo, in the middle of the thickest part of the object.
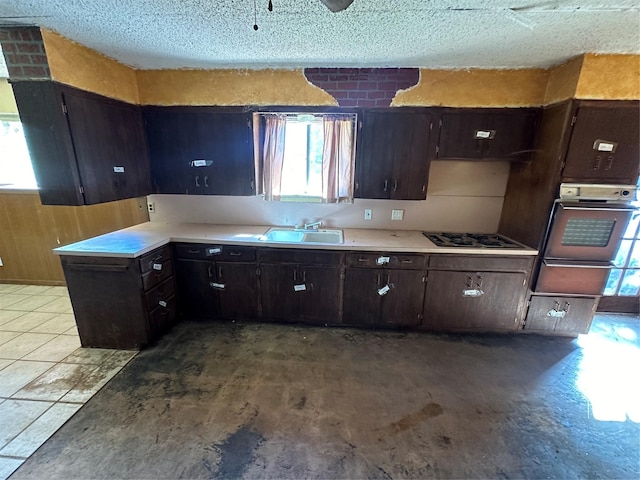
(273, 155)
(337, 155)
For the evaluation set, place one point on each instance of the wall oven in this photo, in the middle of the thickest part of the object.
(585, 231)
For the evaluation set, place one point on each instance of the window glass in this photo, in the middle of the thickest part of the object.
(15, 164)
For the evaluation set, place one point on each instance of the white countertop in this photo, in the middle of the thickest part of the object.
(137, 240)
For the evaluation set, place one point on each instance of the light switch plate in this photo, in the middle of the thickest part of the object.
(397, 214)
(368, 213)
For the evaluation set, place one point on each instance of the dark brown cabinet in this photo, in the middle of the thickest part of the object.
(604, 145)
(475, 293)
(560, 315)
(200, 150)
(119, 302)
(217, 281)
(384, 289)
(301, 286)
(392, 154)
(490, 134)
(85, 148)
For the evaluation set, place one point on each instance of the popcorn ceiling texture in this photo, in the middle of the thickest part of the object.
(363, 87)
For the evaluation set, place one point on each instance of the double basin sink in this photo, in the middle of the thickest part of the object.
(300, 235)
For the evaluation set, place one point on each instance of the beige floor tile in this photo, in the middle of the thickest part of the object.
(32, 290)
(58, 323)
(6, 300)
(5, 363)
(60, 291)
(27, 322)
(8, 315)
(16, 415)
(9, 287)
(8, 466)
(6, 336)
(121, 357)
(54, 351)
(54, 383)
(72, 331)
(91, 383)
(23, 344)
(40, 430)
(59, 305)
(90, 356)
(18, 374)
(32, 302)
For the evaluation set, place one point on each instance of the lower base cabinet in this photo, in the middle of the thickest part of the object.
(560, 315)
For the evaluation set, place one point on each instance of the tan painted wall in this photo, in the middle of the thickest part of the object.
(36, 229)
(609, 77)
(7, 102)
(81, 67)
(476, 88)
(229, 87)
(563, 81)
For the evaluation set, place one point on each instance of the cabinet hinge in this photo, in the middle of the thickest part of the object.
(64, 109)
(341, 275)
(424, 279)
(437, 150)
(81, 188)
(258, 272)
(420, 316)
(524, 282)
(440, 123)
(574, 119)
(431, 126)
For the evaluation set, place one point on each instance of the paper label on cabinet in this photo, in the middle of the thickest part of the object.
(382, 260)
(162, 303)
(199, 163)
(556, 313)
(384, 290)
(605, 147)
(214, 251)
(157, 266)
(118, 169)
(299, 288)
(483, 133)
(219, 286)
(472, 292)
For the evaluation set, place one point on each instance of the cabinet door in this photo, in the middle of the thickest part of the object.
(239, 297)
(560, 315)
(461, 132)
(392, 154)
(197, 297)
(200, 150)
(473, 300)
(361, 299)
(320, 302)
(402, 304)
(604, 145)
(279, 299)
(111, 153)
(515, 133)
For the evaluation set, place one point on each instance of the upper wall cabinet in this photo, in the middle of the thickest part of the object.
(85, 148)
(200, 150)
(604, 143)
(487, 133)
(392, 154)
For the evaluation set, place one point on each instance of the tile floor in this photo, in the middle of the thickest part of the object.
(45, 376)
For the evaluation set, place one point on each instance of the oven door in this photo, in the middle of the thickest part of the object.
(587, 231)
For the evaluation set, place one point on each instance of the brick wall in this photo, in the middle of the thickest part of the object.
(363, 87)
(24, 53)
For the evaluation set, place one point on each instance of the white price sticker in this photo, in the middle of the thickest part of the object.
(214, 251)
(382, 260)
(605, 147)
(218, 286)
(472, 292)
(157, 266)
(162, 303)
(199, 163)
(556, 313)
(483, 133)
(118, 169)
(384, 290)
(299, 288)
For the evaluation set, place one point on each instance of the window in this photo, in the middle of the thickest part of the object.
(306, 157)
(15, 164)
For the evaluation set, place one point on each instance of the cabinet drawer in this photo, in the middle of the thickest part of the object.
(480, 263)
(308, 257)
(157, 257)
(155, 276)
(227, 253)
(162, 318)
(160, 293)
(387, 260)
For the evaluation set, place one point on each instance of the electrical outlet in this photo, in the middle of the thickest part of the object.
(397, 214)
(367, 213)
(151, 207)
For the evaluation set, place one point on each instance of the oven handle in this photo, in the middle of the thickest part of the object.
(600, 209)
(551, 263)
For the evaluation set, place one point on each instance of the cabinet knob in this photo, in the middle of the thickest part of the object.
(386, 185)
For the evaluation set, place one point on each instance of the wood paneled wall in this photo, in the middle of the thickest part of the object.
(29, 231)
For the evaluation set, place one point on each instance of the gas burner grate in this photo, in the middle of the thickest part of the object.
(470, 240)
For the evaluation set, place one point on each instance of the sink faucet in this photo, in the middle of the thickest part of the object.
(313, 226)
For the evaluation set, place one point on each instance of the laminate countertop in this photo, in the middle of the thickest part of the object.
(134, 241)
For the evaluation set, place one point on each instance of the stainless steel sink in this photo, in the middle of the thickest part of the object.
(298, 235)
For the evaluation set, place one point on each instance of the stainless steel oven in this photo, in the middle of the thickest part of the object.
(584, 233)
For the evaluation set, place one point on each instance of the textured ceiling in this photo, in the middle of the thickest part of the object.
(153, 34)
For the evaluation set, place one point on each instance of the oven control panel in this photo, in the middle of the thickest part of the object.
(594, 191)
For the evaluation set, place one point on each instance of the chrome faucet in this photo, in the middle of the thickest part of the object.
(313, 226)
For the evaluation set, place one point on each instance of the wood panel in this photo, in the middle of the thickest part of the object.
(31, 230)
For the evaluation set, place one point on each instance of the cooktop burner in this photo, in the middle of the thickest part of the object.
(471, 240)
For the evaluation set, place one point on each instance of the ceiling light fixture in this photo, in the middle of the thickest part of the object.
(337, 5)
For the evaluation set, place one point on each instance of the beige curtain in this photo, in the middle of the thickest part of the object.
(273, 155)
(337, 155)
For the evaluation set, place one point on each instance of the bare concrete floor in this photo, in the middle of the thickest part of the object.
(215, 400)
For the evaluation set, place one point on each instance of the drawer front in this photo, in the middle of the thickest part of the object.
(387, 260)
(160, 294)
(303, 257)
(572, 279)
(228, 253)
(480, 263)
(151, 260)
(157, 275)
(162, 318)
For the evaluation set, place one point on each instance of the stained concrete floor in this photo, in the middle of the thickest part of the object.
(215, 400)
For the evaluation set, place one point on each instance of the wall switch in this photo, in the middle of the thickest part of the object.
(397, 214)
(1, 264)
(367, 213)
(151, 207)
